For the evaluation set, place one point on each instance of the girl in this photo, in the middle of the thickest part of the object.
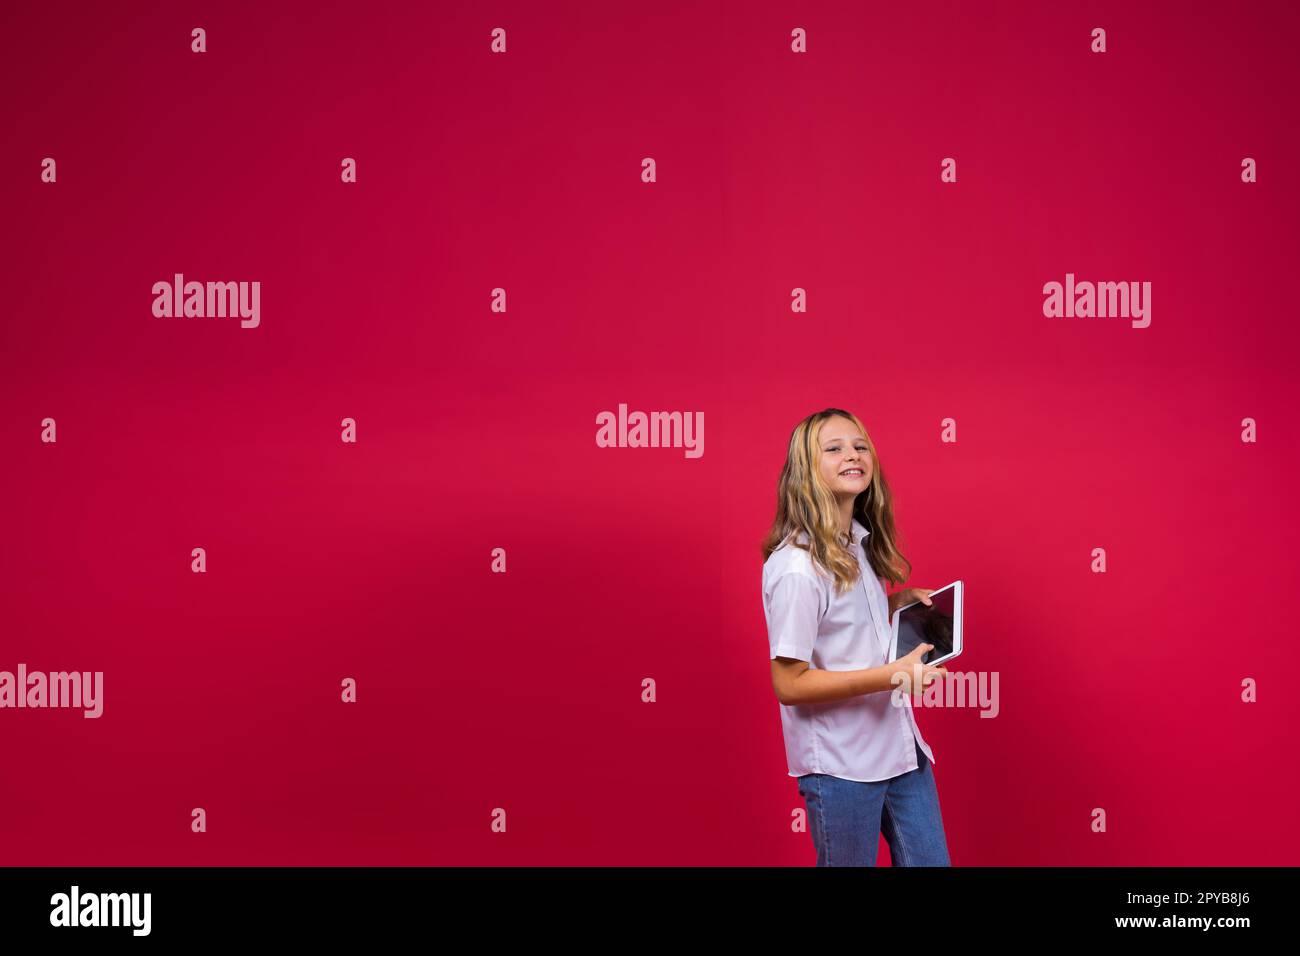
(861, 762)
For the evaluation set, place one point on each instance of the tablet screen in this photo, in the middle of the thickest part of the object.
(920, 624)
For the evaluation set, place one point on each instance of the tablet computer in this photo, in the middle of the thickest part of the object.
(938, 623)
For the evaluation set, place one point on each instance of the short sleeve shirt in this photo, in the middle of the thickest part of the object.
(861, 738)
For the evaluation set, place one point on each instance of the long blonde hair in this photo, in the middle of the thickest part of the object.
(805, 503)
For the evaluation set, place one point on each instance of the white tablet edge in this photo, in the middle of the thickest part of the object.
(958, 596)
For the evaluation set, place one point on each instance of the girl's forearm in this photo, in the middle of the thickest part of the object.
(814, 686)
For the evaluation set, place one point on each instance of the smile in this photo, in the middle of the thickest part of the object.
(852, 472)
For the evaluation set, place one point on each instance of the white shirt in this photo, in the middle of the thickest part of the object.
(858, 738)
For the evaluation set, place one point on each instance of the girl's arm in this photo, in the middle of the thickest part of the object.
(797, 683)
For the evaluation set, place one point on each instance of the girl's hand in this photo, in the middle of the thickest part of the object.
(912, 675)
(909, 596)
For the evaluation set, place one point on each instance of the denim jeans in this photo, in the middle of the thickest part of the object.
(846, 818)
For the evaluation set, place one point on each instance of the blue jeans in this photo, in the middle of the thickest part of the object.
(846, 818)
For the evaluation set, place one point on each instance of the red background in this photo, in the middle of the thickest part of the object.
(476, 429)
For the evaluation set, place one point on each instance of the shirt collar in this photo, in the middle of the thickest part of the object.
(858, 532)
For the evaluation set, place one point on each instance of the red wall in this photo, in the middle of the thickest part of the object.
(522, 690)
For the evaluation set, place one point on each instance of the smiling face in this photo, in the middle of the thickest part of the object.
(845, 457)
